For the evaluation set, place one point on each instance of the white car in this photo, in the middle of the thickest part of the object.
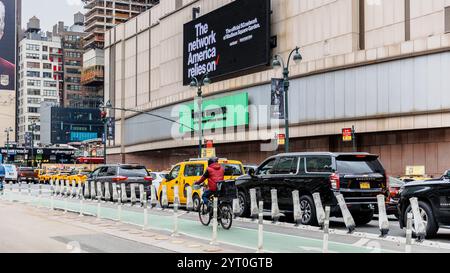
(10, 173)
(157, 178)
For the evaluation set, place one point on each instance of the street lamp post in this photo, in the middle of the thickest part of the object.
(195, 83)
(33, 128)
(103, 115)
(7, 131)
(278, 61)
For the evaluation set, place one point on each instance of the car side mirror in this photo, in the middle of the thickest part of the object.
(251, 172)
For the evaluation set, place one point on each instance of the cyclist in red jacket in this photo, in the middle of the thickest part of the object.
(214, 173)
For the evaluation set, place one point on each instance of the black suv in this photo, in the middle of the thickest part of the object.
(122, 174)
(434, 202)
(359, 177)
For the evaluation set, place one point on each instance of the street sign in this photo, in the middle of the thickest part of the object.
(208, 152)
(347, 134)
(281, 139)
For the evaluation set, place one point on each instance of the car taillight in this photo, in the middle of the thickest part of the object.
(334, 180)
(119, 179)
(148, 178)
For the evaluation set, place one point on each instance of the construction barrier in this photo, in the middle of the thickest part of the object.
(275, 212)
(253, 204)
(383, 222)
(348, 218)
(320, 213)
(297, 209)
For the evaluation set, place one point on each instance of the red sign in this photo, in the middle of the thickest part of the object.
(209, 144)
(347, 134)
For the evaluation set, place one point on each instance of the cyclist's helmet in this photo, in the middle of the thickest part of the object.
(213, 160)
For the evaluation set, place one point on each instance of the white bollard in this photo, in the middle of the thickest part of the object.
(119, 206)
(176, 195)
(154, 197)
(215, 222)
(81, 205)
(189, 201)
(57, 187)
(141, 194)
(115, 193)
(260, 228)
(144, 204)
(326, 230)
(67, 188)
(419, 225)
(253, 204)
(92, 190)
(99, 190)
(39, 195)
(74, 188)
(107, 192)
(383, 221)
(348, 219)
(80, 191)
(408, 244)
(175, 219)
(123, 189)
(99, 207)
(133, 193)
(319, 209)
(297, 208)
(236, 208)
(164, 200)
(275, 213)
(29, 189)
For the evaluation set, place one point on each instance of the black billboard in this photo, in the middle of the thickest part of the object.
(228, 40)
(7, 44)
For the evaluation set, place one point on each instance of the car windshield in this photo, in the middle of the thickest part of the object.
(131, 171)
(232, 169)
(358, 165)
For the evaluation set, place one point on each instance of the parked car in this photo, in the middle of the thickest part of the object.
(395, 185)
(186, 173)
(157, 177)
(26, 174)
(359, 177)
(434, 202)
(122, 174)
(10, 173)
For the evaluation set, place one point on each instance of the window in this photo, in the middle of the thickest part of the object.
(47, 75)
(33, 65)
(33, 82)
(33, 47)
(49, 84)
(266, 167)
(319, 164)
(34, 100)
(33, 110)
(33, 56)
(44, 57)
(34, 92)
(133, 171)
(358, 165)
(49, 93)
(286, 165)
(33, 74)
(232, 169)
(174, 173)
(45, 48)
(194, 170)
(47, 66)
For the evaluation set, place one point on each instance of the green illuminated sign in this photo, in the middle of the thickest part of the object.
(217, 113)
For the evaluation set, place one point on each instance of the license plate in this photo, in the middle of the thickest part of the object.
(364, 185)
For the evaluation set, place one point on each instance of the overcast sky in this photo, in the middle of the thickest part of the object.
(50, 11)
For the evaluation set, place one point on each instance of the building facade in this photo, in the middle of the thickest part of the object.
(61, 125)
(101, 16)
(380, 66)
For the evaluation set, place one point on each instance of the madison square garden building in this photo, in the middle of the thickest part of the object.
(380, 66)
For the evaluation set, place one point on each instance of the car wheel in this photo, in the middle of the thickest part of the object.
(363, 218)
(308, 209)
(244, 205)
(196, 201)
(427, 215)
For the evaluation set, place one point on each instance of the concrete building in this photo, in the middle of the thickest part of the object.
(381, 66)
(100, 16)
(40, 76)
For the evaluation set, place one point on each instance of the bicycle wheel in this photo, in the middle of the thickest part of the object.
(226, 215)
(204, 215)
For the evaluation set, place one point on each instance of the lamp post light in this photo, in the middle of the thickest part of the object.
(195, 83)
(278, 62)
(7, 131)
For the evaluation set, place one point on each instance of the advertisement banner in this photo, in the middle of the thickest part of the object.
(7, 44)
(221, 45)
(277, 99)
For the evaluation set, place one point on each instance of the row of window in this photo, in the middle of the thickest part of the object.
(37, 83)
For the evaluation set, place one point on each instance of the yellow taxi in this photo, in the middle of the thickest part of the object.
(185, 174)
(45, 175)
(79, 176)
(61, 175)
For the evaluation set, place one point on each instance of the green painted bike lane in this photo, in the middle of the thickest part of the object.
(238, 236)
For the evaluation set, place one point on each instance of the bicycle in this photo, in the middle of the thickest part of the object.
(224, 210)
